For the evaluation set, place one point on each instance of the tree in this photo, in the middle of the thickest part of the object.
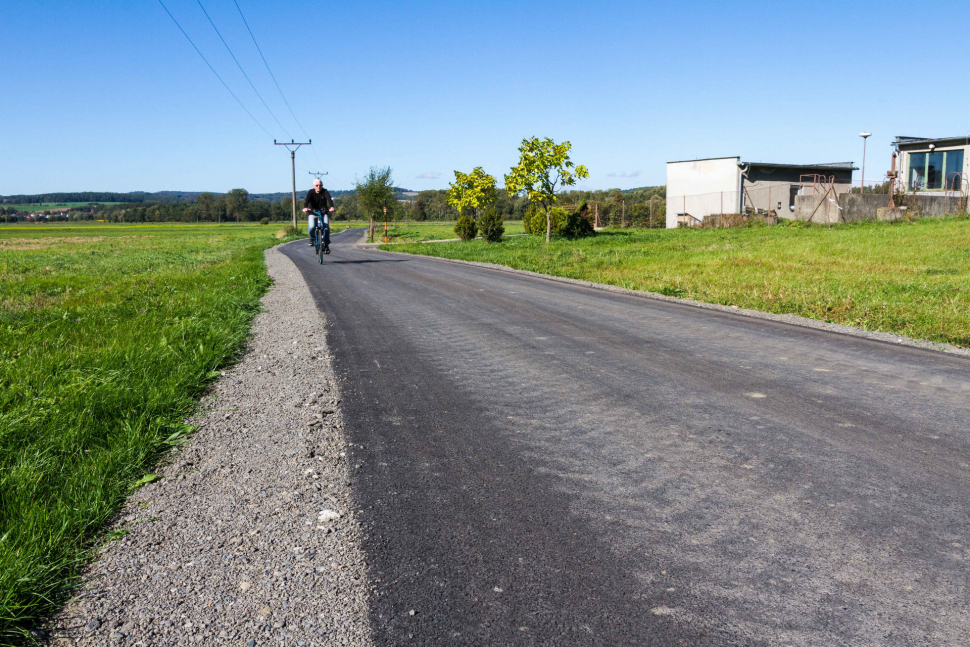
(544, 166)
(236, 203)
(204, 200)
(375, 192)
(472, 191)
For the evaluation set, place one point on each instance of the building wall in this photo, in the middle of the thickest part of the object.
(702, 188)
(775, 189)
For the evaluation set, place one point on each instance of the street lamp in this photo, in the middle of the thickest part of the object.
(865, 137)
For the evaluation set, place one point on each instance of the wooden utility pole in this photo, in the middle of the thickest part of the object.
(296, 147)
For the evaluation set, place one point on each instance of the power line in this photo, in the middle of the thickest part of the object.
(273, 76)
(240, 66)
(213, 69)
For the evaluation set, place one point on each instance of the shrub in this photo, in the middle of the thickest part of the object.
(491, 226)
(264, 221)
(466, 228)
(576, 226)
(534, 220)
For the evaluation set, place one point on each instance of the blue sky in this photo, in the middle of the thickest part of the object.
(110, 96)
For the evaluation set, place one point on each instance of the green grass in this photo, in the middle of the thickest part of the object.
(907, 278)
(399, 232)
(108, 335)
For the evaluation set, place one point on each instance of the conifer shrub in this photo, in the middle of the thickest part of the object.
(491, 226)
(576, 226)
(465, 228)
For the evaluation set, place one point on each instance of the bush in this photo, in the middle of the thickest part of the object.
(290, 232)
(264, 221)
(466, 228)
(491, 226)
(576, 226)
(534, 220)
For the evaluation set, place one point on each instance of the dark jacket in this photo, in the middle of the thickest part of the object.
(318, 201)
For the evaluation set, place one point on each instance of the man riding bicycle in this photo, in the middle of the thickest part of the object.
(318, 201)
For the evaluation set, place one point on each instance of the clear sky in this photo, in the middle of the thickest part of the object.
(110, 96)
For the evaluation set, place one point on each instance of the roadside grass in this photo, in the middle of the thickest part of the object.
(400, 232)
(108, 336)
(908, 278)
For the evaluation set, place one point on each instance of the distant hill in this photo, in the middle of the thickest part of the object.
(84, 197)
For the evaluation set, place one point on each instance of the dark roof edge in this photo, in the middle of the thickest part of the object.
(707, 159)
(928, 140)
(841, 166)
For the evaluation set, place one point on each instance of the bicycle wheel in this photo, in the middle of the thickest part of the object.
(320, 246)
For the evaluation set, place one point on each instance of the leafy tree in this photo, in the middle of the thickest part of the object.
(204, 200)
(236, 203)
(544, 167)
(375, 192)
(472, 191)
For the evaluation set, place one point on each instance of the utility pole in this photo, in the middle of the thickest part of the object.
(865, 138)
(319, 175)
(296, 147)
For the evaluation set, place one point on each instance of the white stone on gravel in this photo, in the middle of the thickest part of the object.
(223, 549)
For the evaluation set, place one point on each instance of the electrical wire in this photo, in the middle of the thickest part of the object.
(275, 82)
(241, 68)
(272, 76)
(213, 69)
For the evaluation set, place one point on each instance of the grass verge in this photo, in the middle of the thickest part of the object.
(909, 278)
(107, 338)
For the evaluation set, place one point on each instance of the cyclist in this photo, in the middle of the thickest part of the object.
(318, 200)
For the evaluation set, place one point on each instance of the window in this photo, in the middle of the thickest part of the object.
(930, 171)
(917, 171)
(954, 164)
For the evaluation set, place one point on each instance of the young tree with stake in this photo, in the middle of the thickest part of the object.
(375, 192)
(544, 167)
(470, 192)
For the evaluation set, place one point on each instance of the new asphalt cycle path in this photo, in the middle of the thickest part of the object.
(542, 463)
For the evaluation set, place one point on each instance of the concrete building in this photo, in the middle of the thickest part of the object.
(697, 189)
(930, 166)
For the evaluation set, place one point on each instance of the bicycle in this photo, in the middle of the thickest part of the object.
(320, 227)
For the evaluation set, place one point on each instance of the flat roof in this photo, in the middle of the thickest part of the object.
(840, 166)
(900, 139)
(706, 159)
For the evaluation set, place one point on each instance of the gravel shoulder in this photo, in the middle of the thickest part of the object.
(248, 537)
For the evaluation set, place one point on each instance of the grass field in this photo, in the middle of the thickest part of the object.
(907, 278)
(108, 335)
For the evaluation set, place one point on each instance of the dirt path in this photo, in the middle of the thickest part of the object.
(247, 539)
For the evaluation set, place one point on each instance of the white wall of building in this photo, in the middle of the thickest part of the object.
(702, 188)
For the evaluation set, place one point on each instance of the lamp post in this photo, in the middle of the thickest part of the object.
(865, 137)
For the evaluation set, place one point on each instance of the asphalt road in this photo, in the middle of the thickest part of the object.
(547, 464)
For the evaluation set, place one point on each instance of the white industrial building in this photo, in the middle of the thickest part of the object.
(700, 188)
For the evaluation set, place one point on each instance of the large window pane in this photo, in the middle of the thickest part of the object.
(917, 171)
(934, 171)
(954, 164)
